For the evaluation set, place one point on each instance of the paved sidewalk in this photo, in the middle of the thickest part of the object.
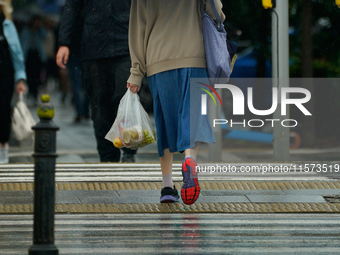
(137, 197)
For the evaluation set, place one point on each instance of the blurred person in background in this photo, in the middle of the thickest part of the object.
(75, 72)
(80, 99)
(106, 62)
(50, 49)
(12, 71)
(32, 39)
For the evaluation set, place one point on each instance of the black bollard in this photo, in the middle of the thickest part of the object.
(44, 180)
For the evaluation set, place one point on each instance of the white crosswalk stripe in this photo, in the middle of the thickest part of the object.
(146, 172)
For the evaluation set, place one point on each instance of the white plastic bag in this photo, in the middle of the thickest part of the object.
(22, 121)
(132, 127)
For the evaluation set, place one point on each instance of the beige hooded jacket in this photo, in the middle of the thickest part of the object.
(166, 35)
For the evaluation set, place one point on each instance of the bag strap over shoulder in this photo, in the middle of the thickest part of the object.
(202, 7)
(213, 7)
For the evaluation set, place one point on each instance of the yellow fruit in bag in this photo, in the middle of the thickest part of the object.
(130, 122)
(126, 136)
(133, 134)
(147, 138)
(118, 143)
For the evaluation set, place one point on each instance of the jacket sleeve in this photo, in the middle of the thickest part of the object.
(69, 22)
(137, 41)
(218, 5)
(17, 56)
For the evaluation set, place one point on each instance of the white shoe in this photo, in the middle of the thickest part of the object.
(4, 155)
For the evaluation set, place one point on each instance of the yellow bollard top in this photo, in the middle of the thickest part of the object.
(45, 110)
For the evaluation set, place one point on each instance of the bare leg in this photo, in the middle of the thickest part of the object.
(168, 193)
(166, 162)
(192, 152)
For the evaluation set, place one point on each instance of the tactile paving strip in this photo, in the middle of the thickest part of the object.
(182, 208)
(205, 185)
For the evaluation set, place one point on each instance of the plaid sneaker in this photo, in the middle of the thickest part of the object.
(169, 195)
(191, 188)
(4, 155)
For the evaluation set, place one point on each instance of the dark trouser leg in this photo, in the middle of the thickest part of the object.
(99, 84)
(86, 105)
(75, 69)
(105, 84)
(33, 69)
(6, 92)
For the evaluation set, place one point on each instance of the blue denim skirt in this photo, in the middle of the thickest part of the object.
(177, 113)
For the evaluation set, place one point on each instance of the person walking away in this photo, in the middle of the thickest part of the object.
(106, 62)
(50, 50)
(80, 98)
(32, 40)
(12, 70)
(75, 72)
(166, 43)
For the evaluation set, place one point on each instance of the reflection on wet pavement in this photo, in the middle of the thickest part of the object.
(179, 233)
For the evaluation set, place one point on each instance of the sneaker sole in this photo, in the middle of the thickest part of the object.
(191, 188)
(190, 191)
(169, 199)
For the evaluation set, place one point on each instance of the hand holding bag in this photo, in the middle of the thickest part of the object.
(219, 59)
(22, 120)
(132, 126)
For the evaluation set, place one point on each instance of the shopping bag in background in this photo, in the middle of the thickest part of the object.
(132, 127)
(22, 120)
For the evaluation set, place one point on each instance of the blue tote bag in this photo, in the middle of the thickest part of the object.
(220, 52)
